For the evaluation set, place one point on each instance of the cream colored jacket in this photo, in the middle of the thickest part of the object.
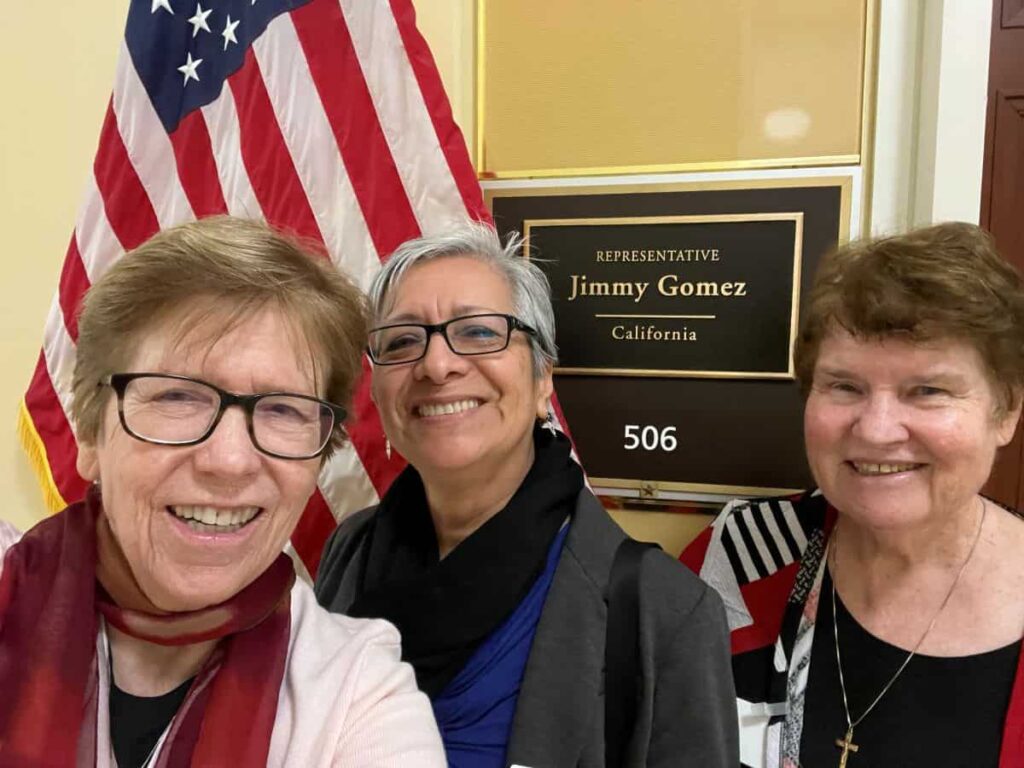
(346, 698)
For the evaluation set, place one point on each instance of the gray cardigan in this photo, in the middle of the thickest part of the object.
(687, 714)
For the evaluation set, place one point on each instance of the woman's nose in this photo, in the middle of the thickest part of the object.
(229, 451)
(438, 361)
(881, 420)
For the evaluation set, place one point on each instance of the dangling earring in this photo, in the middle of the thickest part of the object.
(549, 422)
(387, 447)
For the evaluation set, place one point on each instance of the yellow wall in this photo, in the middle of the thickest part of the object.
(448, 26)
(54, 98)
(683, 83)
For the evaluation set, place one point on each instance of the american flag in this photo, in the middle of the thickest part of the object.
(326, 118)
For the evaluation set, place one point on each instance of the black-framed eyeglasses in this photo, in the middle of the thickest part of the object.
(467, 335)
(168, 409)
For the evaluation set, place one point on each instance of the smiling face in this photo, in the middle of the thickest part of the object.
(900, 433)
(448, 413)
(250, 502)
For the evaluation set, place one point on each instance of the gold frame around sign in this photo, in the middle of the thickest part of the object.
(864, 158)
(649, 488)
(797, 217)
(844, 182)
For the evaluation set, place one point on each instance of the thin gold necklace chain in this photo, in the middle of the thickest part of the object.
(851, 724)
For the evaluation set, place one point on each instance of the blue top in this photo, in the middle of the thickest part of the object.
(475, 710)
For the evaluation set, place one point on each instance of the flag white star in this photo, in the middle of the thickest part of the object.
(165, 4)
(198, 21)
(229, 32)
(189, 69)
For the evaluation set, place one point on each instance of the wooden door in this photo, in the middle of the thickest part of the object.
(1002, 191)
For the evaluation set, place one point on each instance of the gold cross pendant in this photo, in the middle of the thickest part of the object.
(846, 744)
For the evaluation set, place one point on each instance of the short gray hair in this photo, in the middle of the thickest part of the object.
(531, 292)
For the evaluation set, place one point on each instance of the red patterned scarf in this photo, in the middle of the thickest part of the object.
(55, 583)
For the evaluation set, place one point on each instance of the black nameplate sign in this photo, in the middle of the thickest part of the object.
(699, 296)
(713, 411)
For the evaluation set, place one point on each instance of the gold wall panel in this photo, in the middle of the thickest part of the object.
(569, 87)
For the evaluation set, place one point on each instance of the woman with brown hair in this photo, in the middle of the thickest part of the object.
(878, 620)
(157, 622)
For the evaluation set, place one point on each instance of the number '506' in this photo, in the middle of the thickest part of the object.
(650, 438)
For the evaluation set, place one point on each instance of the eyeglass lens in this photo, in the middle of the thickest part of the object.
(172, 410)
(474, 335)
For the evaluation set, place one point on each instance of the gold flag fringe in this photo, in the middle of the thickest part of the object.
(34, 448)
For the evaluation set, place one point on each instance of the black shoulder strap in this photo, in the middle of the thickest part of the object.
(621, 651)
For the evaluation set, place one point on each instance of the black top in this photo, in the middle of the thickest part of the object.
(444, 609)
(137, 722)
(946, 712)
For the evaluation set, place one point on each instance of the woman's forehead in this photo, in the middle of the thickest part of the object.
(451, 285)
(262, 344)
(898, 353)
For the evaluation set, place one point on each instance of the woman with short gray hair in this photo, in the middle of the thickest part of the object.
(531, 293)
(488, 551)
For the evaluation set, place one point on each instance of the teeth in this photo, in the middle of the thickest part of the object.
(225, 520)
(195, 526)
(443, 409)
(866, 468)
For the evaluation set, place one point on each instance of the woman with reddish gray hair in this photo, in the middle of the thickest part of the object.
(157, 622)
(878, 620)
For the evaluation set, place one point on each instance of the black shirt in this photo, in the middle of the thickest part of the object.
(137, 722)
(946, 712)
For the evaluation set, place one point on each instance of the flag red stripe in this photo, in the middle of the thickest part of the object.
(367, 437)
(452, 142)
(314, 526)
(332, 60)
(128, 207)
(693, 556)
(562, 423)
(197, 169)
(74, 282)
(48, 417)
(272, 173)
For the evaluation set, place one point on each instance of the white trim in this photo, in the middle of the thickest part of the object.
(896, 115)
(794, 525)
(854, 172)
(773, 528)
(749, 569)
(951, 100)
(759, 543)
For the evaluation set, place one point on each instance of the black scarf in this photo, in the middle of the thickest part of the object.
(445, 608)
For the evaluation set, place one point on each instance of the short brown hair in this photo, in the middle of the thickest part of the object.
(220, 265)
(945, 281)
